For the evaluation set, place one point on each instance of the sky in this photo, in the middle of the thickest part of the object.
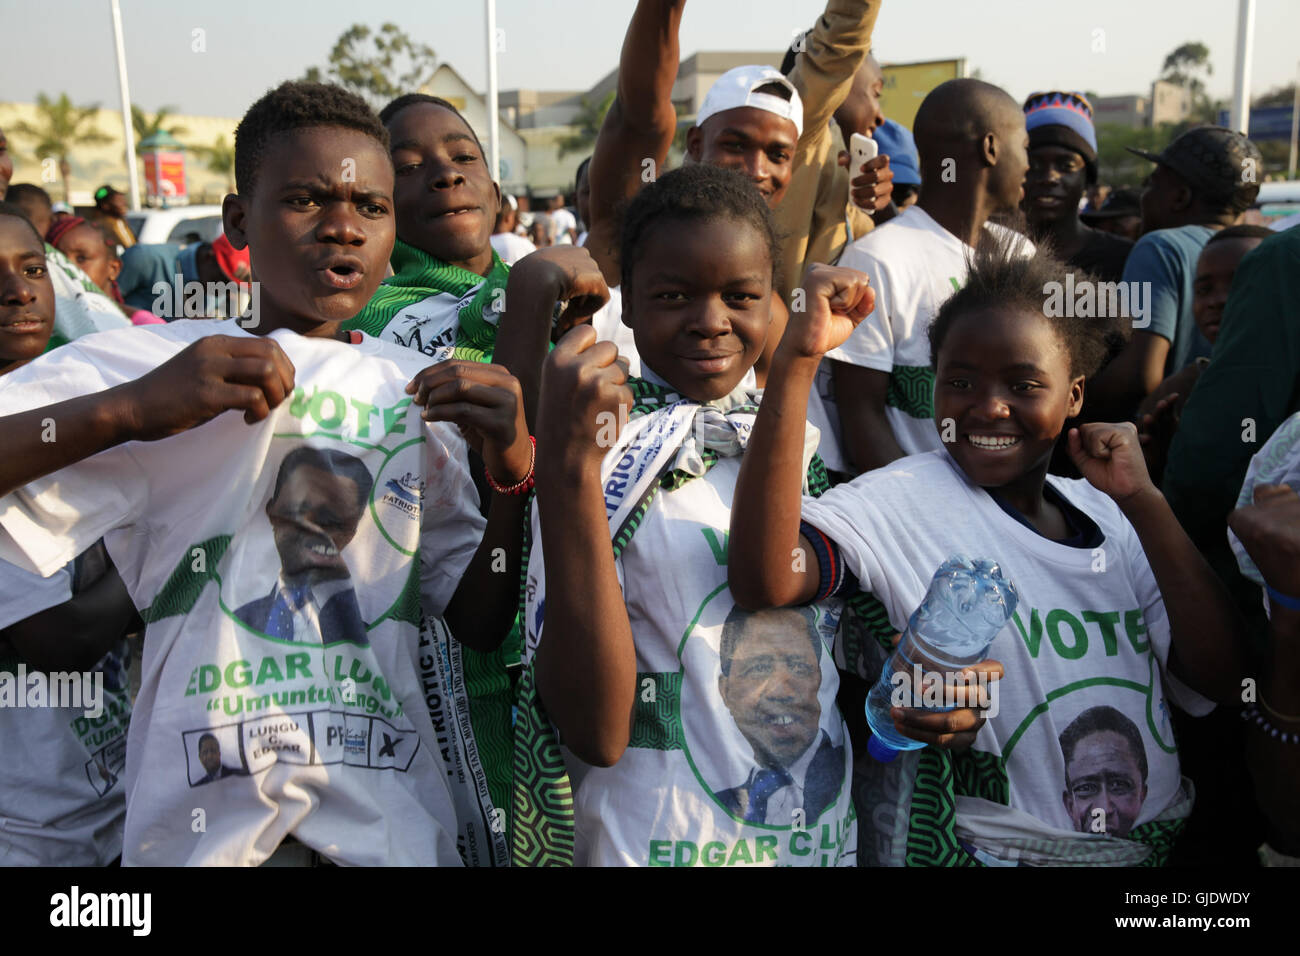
(1107, 46)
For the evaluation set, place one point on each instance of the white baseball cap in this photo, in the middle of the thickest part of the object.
(735, 89)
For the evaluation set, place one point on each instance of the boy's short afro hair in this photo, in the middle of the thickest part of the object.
(696, 192)
(1001, 278)
(297, 105)
(12, 209)
(411, 99)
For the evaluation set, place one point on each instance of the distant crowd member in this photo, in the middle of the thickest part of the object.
(1062, 163)
(566, 227)
(873, 399)
(510, 246)
(1159, 412)
(1248, 390)
(110, 211)
(35, 202)
(1203, 181)
(896, 141)
(839, 83)
(87, 245)
(199, 276)
(1120, 214)
(1097, 195)
(543, 231)
(82, 305)
(61, 209)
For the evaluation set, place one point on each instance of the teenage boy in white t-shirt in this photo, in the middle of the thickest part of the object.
(61, 798)
(873, 398)
(330, 741)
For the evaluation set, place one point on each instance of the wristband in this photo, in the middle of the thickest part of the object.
(523, 485)
(1282, 600)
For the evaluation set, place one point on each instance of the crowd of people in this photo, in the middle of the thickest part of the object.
(417, 531)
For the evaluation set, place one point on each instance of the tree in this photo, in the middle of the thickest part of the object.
(60, 129)
(1116, 166)
(1189, 66)
(588, 120)
(145, 126)
(218, 158)
(369, 63)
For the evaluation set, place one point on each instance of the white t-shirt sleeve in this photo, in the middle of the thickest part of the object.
(452, 527)
(1156, 619)
(26, 593)
(50, 521)
(849, 523)
(872, 343)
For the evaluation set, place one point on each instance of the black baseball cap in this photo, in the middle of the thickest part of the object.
(1219, 164)
(106, 192)
(1120, 203)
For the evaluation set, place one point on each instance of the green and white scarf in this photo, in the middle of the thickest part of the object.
(417, 276)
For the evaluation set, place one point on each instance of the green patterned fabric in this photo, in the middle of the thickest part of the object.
(186, 583)
(911, 390)
(417, 275)
(1160, 835)
(657, 721)
(931, 840)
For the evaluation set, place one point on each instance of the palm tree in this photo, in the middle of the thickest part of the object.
(61, 128)
(146, 127)
(218, 158)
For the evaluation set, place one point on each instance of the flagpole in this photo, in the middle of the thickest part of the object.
(494, 147)
(1240, 117)
(128, 130)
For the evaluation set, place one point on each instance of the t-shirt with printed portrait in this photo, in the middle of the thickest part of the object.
(289, 573)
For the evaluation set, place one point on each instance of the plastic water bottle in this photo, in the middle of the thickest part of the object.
(967, 604)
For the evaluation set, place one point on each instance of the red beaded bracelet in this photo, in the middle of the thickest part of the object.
(525, 484)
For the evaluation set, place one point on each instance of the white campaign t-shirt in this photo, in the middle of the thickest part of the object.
(1090, 630)
(511, 248)
(62, 801)
(564, 221)
(914, 265)
(240, 722)
(690, 789)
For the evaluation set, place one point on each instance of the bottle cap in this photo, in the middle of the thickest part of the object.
(880, 750)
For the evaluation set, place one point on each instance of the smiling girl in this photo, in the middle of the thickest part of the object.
(693, 732)
(1118, 611)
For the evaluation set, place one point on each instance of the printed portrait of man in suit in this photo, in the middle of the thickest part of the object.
(210, 759)
(771, 675)
(1105, 770)
(319, 499)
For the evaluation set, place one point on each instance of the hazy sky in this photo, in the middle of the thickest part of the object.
(66, 45)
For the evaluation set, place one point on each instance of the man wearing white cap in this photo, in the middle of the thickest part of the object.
(750, 121)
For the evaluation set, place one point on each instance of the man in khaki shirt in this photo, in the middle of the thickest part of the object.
(836, 76)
